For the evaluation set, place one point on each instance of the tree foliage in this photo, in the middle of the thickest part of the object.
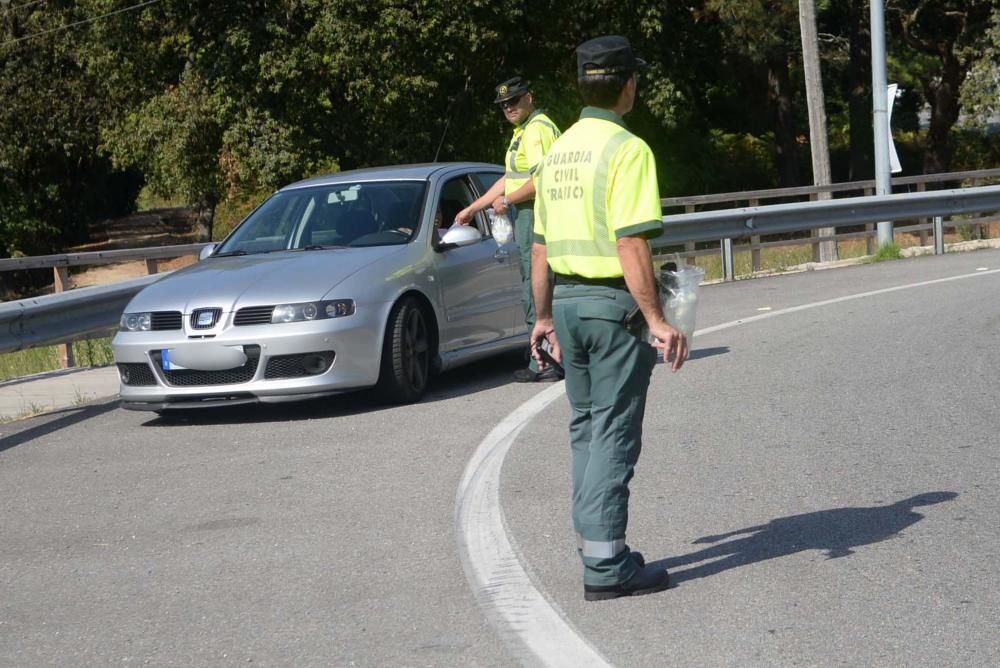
(53, 177)
(980, 95)
(208, 101)
(941, 40)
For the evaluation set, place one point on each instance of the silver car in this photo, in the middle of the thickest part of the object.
(333, 283)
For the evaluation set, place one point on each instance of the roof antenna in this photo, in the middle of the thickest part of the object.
(441, 143)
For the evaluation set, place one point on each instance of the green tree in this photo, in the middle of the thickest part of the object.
(175, 139)
(940, 41)
(980, 93)
(767, 33)
(200, 117)
(269, 92)
(53, 180)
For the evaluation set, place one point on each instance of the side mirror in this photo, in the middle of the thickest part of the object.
(461, 235)
(206, 251)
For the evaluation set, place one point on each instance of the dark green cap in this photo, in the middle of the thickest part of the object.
(513, 87)
(610, 54)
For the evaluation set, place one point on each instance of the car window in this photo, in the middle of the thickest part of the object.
(345, 214)
(485, 180)
(457, 194)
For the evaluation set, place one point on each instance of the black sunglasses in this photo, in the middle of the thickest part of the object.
(511, 102)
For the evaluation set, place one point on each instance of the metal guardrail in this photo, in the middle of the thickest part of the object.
(730, 224)
(60, 270)
(865, 187)
(68, 316)
(87, 312)
(781, 218)
(99, 257)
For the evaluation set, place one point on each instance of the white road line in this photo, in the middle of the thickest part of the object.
(837, 300)
(533, 627)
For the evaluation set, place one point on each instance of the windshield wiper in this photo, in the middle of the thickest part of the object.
(230, 253)
(319, 247)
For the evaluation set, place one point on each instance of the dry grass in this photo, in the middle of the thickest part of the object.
(95, 352)
(781, 259)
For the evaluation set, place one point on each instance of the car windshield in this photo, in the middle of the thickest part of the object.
(378, 213)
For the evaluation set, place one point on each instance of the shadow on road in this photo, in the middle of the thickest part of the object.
(477, 377)
(702, 353)
(837, 532)
(52, 422)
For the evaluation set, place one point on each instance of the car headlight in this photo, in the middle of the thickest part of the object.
(337, 308)
(136, 322)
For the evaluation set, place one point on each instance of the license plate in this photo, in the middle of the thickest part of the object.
(167, 364)
(202, 357)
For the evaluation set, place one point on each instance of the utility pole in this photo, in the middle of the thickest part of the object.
(816, 102)
(883, 184)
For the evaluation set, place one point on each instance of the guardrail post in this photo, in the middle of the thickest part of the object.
(869, 231)
(938, 235)
(728, 264)
(814, 245)
(922, 187)
(755, 244)
(689, 245)
(65, 351)
(152, 265)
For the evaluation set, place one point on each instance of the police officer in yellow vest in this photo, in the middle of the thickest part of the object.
(597, 204)
(534, 133)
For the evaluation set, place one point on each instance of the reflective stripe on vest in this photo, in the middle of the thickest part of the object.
(512, 171)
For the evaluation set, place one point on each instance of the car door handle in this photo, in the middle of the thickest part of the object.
(501, 255)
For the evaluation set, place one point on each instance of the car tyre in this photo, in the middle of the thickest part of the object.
(406, 354)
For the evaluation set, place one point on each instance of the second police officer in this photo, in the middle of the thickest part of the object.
(533, 134)
(597, 204)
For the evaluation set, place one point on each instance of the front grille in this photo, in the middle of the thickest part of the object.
(194, 377)
(136, 373)
(253, 315)
(298, 366)
(162, 320)
(205, 318)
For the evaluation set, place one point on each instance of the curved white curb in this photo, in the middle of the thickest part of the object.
(532, 626)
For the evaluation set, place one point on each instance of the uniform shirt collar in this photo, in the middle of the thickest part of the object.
(604, 115)
(528, 119)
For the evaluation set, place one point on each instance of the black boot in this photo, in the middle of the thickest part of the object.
(647, 580)
(547, 375)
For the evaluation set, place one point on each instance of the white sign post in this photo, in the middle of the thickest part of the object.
(894, 165)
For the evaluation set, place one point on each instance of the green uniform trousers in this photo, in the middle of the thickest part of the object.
(608, 369)
(524, 237)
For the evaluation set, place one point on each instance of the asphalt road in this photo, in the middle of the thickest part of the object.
(822, 483)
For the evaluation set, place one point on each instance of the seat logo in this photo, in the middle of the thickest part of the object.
(205, 318)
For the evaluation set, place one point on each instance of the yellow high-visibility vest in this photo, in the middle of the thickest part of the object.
(528, 145)
(596, 184)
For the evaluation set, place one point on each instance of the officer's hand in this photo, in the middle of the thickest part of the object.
(500, 205)
(672, 342)
(464, 217)
(545, 331)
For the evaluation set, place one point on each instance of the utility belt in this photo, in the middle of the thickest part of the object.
(572, 279)
(633, 321)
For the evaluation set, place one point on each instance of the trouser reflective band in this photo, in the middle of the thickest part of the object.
(600, 549)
